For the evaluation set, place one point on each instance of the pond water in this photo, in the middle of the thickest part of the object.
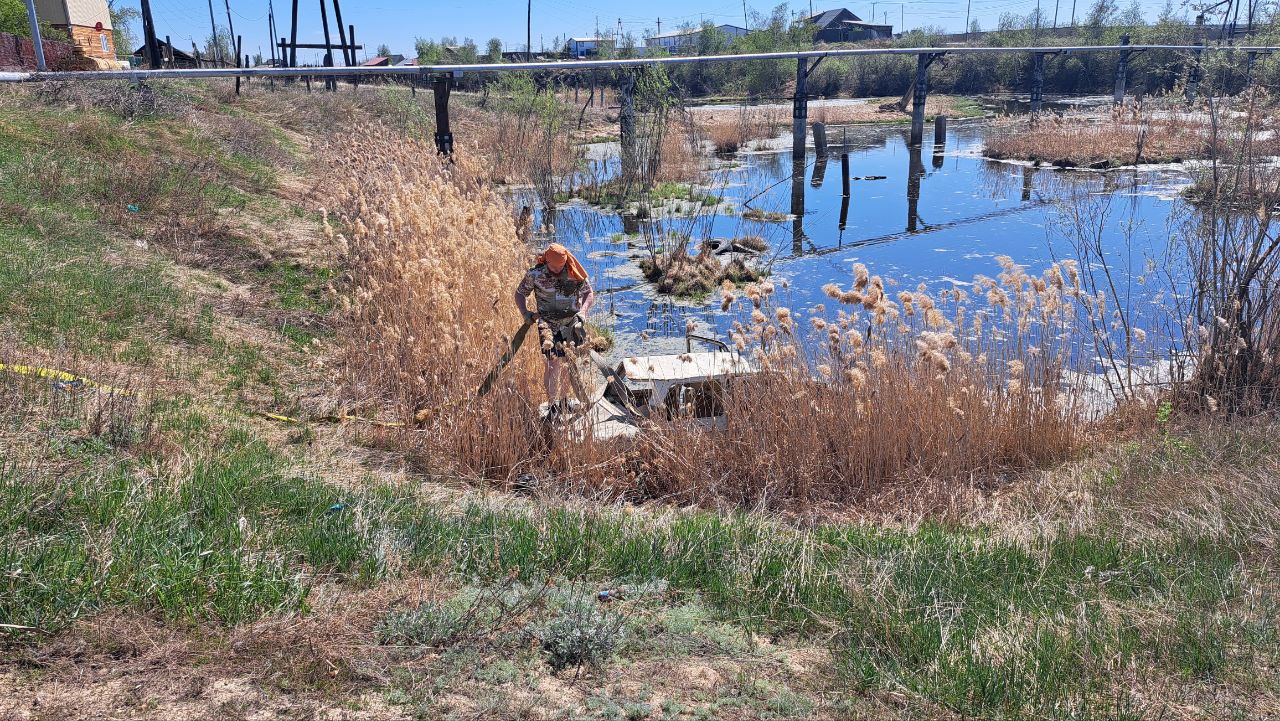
(936, 217)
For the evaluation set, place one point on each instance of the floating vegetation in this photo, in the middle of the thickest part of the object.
(763, 216)
(692, 276)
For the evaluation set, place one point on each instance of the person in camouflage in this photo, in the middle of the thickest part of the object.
(563, 293)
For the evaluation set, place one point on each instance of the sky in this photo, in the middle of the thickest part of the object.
(397, 22)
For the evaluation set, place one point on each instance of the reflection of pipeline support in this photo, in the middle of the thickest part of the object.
(797, 206)
(799, 110)
(914, 174)
(819, 171)
(939, 140)
(844, 198)
(1028, 173)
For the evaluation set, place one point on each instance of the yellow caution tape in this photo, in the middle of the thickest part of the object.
(71, 381)
(63, 377)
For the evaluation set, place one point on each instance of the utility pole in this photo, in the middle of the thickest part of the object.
(1055, 13)
(902, 17)
(659, 26)
(213, 28)
(1073, 13)
(968, 4)
(293, 38)
(271, 30)
(348, 56)
(150, 52)
(746, 24)
(36, 43)
(528, 32)
(231, 30)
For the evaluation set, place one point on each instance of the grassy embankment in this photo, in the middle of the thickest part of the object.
(174, 553)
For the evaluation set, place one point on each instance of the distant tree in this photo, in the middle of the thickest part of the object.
(219, 46)
(1132, 16)
(628, 49)
(1100, 16)
(383, 50)
(467, 52)
(712, 40)
(122, 19)
(494, 50)
(975, 26)
(13, 18)
(257, 59)
(429, 51)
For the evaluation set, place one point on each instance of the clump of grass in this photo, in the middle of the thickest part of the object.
(763, 216)
(729, 132)
(684, 275)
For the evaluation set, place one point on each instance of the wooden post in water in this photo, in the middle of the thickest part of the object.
(799, 109)
(444, 137)
(820, 139)
(844, 174)
(939, 132)
(1122, 73)
(1037, 83)
(920, 97)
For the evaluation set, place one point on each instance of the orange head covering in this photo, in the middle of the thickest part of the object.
(557, 257)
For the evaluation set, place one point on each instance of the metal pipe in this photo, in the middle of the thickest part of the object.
(456, 70)
(36, 43)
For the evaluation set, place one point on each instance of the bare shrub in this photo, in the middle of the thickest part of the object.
(1233, 245)
(127, 99)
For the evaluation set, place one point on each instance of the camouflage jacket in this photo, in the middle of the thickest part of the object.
(558, 296)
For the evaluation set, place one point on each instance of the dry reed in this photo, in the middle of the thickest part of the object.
(886, 389)
(1126, 137)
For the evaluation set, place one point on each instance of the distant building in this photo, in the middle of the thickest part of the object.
(88, 22)
(686, 39)
(383, 61)
(842, 26)
(171, 57)
(586, 47)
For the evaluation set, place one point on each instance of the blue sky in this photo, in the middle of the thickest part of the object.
(398, 22)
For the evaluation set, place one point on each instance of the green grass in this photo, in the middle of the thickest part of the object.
(978, 624)
(299, 288)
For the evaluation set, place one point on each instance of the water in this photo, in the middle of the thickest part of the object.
(934, 218)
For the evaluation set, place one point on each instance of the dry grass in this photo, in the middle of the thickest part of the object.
(731, 130)
(1124, 138)
(434, 257)
(882, 393)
